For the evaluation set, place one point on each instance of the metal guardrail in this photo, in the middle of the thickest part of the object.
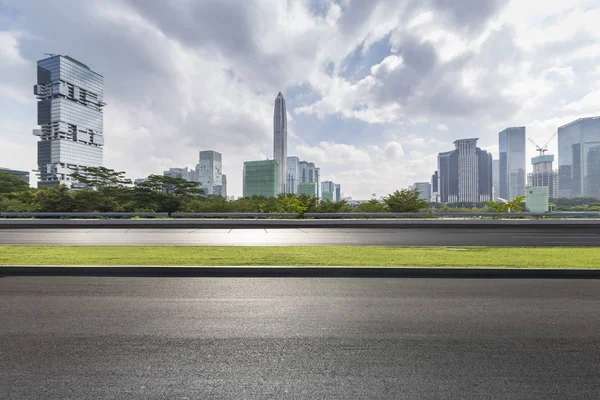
(62, 215)
(365, 215)
(233, 215)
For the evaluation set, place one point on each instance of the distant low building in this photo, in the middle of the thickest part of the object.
(261, 178)
(182, 173)
(24, 175)
(424, 189)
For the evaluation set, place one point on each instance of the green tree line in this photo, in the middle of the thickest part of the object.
(107, 190)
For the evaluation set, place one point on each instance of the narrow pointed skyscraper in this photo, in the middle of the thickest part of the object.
(280, 139)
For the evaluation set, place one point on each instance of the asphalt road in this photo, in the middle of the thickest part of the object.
(501, 236)
(234, 338)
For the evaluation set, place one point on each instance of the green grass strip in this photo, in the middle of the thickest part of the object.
(303, 256)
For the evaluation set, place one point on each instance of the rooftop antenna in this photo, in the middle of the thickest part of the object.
(49, 54)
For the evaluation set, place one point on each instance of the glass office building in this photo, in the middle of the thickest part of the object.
(307, 188)
(293, 174)
(261, 178)
(512, 162)
(69, 113)
(579, 158)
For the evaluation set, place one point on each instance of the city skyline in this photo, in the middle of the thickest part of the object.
(355, 99)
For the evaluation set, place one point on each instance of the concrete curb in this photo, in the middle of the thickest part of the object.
(299, 272)
(294, 223)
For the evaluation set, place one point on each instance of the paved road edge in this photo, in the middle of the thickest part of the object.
(299, 272)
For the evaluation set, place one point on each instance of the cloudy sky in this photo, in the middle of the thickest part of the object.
(374, 89)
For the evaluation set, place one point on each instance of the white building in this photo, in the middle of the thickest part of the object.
(209, 172)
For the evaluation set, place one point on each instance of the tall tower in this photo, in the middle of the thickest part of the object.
(69, 113)
(280, 139)
(512, 162)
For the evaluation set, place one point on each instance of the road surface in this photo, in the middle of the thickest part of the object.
(505, 236)
(225, 338)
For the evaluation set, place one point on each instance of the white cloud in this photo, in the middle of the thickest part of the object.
(188, 76)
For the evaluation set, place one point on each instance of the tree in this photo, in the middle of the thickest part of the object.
(11, 184)
(177, 187)
(371, 206)
(99, 178)
(405, 200)
(334, 207)
(514, 205)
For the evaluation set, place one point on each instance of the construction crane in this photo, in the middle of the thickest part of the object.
(542, 149)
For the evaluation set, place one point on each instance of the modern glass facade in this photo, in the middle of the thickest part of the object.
(338, 192)
(261, 178)
(307, 188)
(579, 158)
(328, 191)
(280, 139)
(512, 162)
(69, 112)
(210, 173)
(293, 174)
(424, 189)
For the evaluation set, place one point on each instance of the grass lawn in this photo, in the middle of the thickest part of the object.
(303, 256)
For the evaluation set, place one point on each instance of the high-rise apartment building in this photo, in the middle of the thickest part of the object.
(261, 178)
(280, 139)
(224, 185)
(465, 174)
(338, 192)
(293, 174)
(209, 172)
(69, 113)
(579, 158)
(512, 162)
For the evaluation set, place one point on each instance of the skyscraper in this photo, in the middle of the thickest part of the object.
(293, 174)
(280, 139)
(579, 158)
(338, 192)
(224, 186)
(209, 172)
(465, 174)
(512, 162)
(69, 112)
(467, 169)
